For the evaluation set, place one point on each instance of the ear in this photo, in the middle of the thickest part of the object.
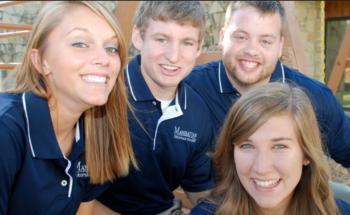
(281, 47)
(306, 162)
(40, 66)
(136, 38)
(221, 38)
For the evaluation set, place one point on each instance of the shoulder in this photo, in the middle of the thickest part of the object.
(309, 84)
(9, 101)
(203, 71)
(343, 206)
(11, 109)
(204, 208)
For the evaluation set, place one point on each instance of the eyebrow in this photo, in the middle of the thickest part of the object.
(166, 36)
(77, 29)
(87, 31)
(281, 139)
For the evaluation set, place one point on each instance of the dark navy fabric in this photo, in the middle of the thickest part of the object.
(36, 178)
(207, 208)
(211, 82)
(170, 148)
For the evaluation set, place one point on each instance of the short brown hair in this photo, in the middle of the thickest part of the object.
(264, 7)
(182, 12)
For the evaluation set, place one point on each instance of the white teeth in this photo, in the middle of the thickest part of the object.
(94, 79)
(269, 183)
(249, 64)
(168, 67)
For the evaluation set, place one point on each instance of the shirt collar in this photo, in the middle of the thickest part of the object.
(225, 85)
(41, 135)
(278, 74)
(140, 91)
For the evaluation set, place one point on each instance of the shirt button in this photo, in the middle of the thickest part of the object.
(238, 94)
(64, 183)
(154, 103)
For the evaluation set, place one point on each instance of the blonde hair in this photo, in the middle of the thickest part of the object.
(312, 195)
(108, 148)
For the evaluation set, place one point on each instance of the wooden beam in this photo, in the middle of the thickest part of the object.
(7, 35)
(340, 62)
(124, 13)
(11, 3)
(293, 52)
(8, 66)
(337, 9)
(206, 57)
(15, 26)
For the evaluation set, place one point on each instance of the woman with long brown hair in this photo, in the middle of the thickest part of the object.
(269, 158)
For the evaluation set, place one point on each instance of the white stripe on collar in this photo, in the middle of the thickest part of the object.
(219, 77)
(77, 132)
(283, 75)
(129, 82)
(27, 121)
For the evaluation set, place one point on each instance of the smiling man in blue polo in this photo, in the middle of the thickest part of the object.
(172, 131)
(251, 41)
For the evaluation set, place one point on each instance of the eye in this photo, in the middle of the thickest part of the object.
(265, 42)
(80, 45)
(112, 50)
(239, 37)
(279, 146)
(160, 40)
(246, 146)
(188, 43)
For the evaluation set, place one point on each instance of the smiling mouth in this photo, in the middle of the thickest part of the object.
(249, 65)
(266, 183)
(169, 67)
(95, 79)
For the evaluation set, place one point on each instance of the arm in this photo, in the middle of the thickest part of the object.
(94, 207)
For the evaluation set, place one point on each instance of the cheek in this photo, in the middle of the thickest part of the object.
(243, 162)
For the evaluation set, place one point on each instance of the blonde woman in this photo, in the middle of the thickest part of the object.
(64, 127)
(269, 158)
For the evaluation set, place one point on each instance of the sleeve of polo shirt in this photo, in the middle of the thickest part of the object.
(199, 174)
(10, 160)
(336, 129)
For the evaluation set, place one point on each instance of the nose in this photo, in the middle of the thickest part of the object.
(100, 57)
(263, 162)
(173, 52)
(251, 48)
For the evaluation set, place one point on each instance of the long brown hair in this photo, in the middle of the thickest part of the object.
(108, 148)
(312, 195)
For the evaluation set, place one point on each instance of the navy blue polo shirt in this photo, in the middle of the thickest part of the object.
(36, 178)
(171, 149)
(211, 82)
(208, 208)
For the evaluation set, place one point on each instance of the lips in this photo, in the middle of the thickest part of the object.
(170, 70)
(266, 183)
(248, 65)
(98, 79)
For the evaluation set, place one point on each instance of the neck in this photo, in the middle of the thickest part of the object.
(160, 91)
(64, 122)
(243, 87)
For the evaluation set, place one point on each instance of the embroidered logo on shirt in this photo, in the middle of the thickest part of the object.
(81, 170)
(184, 135)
